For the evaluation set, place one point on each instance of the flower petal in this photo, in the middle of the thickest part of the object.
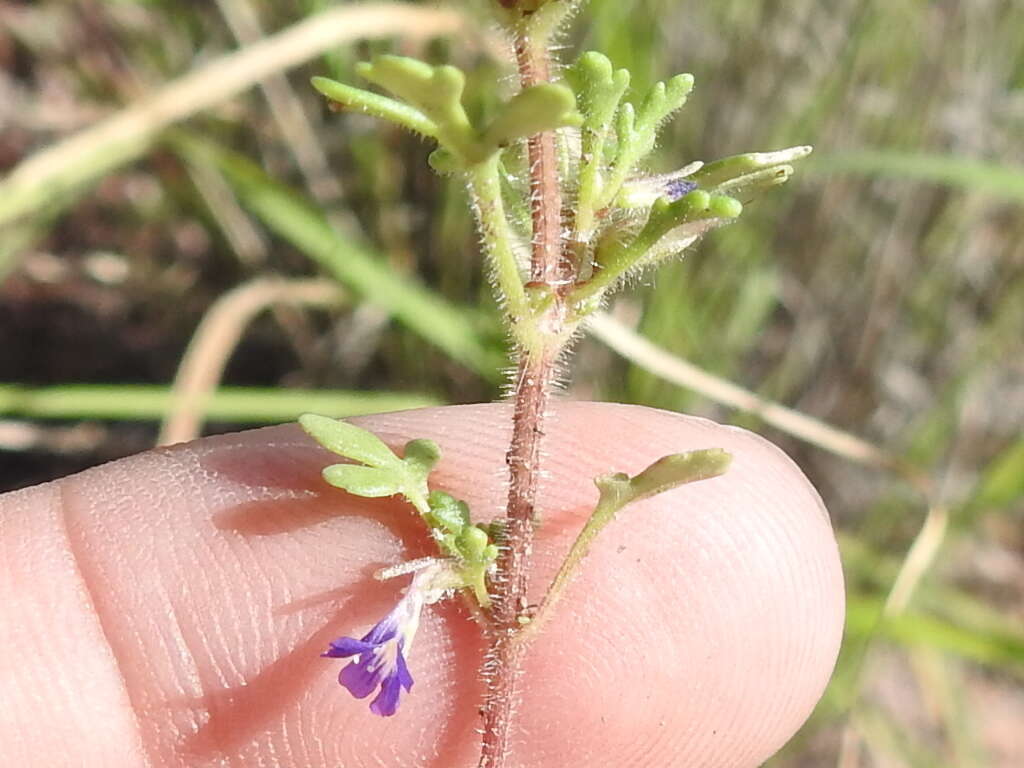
(386, 703)
(402, 672)
(359, 680)
(344, 647)
(385, 629)
(676, 188)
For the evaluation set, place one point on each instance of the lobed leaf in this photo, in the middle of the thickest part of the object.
(599, 91)
(539, 108)
(619, 490)
(663, 475)
(686, 218)
(434, 91)
(637, 129)
(714, 175)
(376, 105)
(420, 456)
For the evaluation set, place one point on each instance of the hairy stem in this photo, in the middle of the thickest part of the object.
(509, 598)
(494, 229)
(545, 192)
(535, 373)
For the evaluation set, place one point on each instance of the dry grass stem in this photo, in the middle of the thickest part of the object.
(665, 365)
(285, 107)
(89, 154)
(215, 339)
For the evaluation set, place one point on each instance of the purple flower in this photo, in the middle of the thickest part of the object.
(380, 655)
(676, 188)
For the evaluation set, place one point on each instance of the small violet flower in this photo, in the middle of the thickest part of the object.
(380, 656)
(677, 188)
(643, 191)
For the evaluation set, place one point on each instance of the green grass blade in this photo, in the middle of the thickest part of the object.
(950, 170)
(1002, 481)
(242, 405)
(987, 646)
(448, 327)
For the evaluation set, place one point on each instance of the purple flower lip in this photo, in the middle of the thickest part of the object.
(379, 663)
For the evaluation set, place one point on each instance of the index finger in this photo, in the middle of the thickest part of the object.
(172, 606)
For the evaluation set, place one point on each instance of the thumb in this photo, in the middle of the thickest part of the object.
(170, 608)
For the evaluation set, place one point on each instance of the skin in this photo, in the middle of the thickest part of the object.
(168, 609)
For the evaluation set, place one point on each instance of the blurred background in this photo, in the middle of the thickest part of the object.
(190, 242)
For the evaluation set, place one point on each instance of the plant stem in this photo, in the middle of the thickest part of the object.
(536, 367)
(494, 229)
(546, 265)
(510, 585)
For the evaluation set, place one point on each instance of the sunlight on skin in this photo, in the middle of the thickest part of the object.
(170, 608)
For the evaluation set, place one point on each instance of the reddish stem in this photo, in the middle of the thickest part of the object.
(546, 264)
(535, 374)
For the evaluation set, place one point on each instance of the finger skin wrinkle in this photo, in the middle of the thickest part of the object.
(62, 690)
(90, 589)
(116, 523)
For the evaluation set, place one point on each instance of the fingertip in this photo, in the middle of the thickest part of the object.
(700, 631)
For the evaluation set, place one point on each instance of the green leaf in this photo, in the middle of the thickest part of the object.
(543, 107)
(619, 489)
(695, 208)
(472, 543)
(420, 456)
(349, 441)
(447, 512)
(434, 91)
(375, 105)
(661, 101)
(714, 176)
(686, 219)
(663, 475)
(370, 482)
(626, 154)
(637, 130)
(599, 90)
(391, 474)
